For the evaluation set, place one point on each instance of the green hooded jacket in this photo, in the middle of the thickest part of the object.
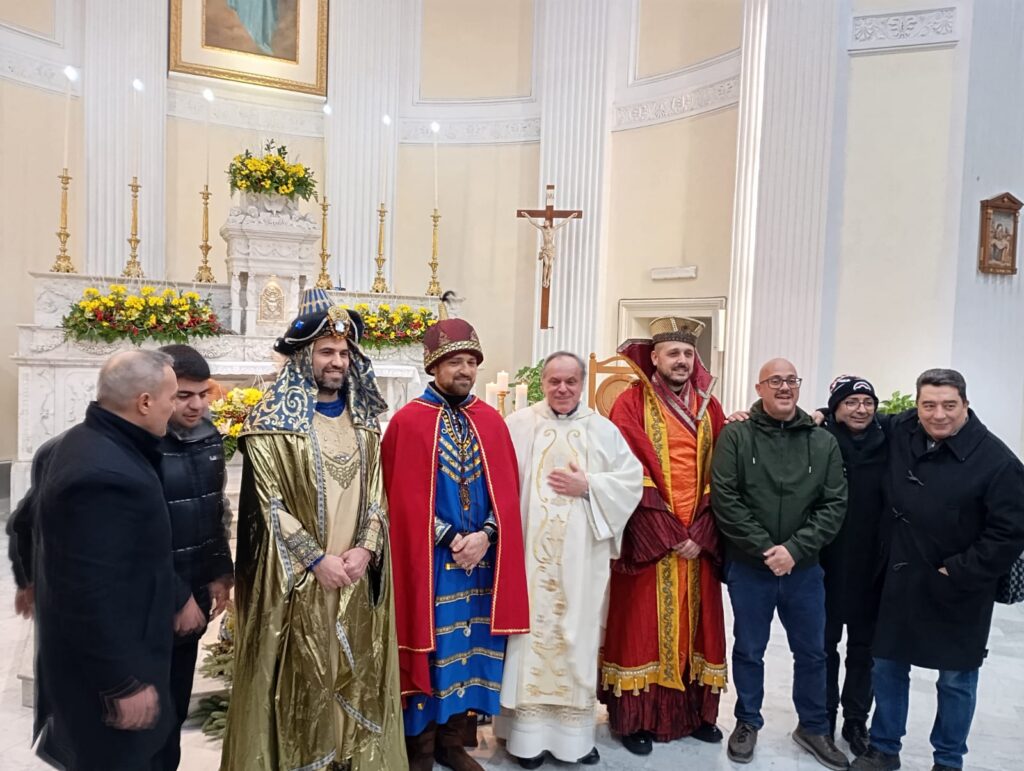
(777, 483)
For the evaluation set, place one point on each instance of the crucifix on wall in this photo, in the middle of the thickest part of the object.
(544, 221)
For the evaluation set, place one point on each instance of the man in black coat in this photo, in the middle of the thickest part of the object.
(954, 525)
(104, 579)
(193, 478)
(852, 584)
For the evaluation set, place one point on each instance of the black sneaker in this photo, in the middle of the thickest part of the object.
(856, 734)
(940, 767)
(640, 743)
(822, 748)
(742, 741)
(875, 760)
(707, 732)
(592, 758)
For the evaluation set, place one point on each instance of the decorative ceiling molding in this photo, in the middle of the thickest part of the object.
(282, 116)
(683, 104)
(904, 29)
(465, 131)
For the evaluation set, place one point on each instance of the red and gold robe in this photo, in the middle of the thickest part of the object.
(663, 663)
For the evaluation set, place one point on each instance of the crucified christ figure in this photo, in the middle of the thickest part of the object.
(547, 248)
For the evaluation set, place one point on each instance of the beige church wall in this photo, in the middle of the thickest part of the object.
(673, 34)
(32, 15)
(473, 49)
(186, 170)
(893, 313)
(486, 254)
(31, 140)
(671, 205)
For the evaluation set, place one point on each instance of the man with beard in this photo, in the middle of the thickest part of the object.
(664, 652)
(316, 670)
(460, 588)
(779, 496)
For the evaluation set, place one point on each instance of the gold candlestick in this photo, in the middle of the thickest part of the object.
(204, 275)
(63, 262)
(501, 401)
(132, 268)
(434, 288)
(324, 280)
(380, 285)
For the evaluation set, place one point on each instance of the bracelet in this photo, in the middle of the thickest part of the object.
(316, 562)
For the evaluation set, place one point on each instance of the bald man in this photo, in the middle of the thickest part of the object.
(104, 580)
(779, 495)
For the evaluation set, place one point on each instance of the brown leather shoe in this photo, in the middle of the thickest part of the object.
(420, 749)
(449, 750)
(469, 731)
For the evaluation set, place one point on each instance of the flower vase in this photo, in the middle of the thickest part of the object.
(273, 204)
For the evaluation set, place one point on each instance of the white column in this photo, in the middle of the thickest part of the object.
(782, 250)
(575, 90)
(363, 86)
(124, 41)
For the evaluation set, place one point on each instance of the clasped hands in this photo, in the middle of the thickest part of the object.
(334, 572)
(778, 560)
(190, 619)
(469, 549)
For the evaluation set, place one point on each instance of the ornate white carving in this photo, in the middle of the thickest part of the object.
(297, 117)
(694, 101)
(38, 71)
(472, 131)
(907, 29)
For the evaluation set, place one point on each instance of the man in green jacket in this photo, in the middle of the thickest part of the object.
(779, 495)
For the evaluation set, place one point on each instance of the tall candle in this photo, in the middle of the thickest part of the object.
(137, 87)
(435, 127)
(208, 96)
(502, 380)
(522, 396)
(386, 120)
(491, 394)
(67, 114)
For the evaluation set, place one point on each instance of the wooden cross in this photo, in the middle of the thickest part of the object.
(547, 250)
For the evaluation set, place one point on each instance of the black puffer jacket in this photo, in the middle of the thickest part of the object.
(193, 475)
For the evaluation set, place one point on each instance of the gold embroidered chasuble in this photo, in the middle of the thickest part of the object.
(550, 676)
(316, 671)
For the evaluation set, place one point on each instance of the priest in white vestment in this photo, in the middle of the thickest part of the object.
(579, 484)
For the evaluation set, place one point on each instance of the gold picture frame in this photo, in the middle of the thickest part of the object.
(997, 247)
(273, 43)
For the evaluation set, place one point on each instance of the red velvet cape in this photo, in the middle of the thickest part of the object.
(409, 457)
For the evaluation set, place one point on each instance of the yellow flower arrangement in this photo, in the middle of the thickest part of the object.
(271, 173)
(229, 414)
(387, 326)
(168, 317)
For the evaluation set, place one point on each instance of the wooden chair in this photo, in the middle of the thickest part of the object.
(618, 374)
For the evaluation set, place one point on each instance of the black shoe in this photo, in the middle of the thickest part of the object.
(940, 767)
(874, 760)
(856, 734)
(536, 762)
(822, 748)
(708, 732)
(742, 741)
(592, 758)
(640, 743)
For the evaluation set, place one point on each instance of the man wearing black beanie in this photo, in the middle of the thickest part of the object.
(851, 561)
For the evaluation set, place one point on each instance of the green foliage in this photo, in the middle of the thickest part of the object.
(531, 376)
(898, 402)
(211, 715)
(271, 173)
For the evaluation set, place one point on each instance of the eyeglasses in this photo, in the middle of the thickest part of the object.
(777, 382)
(854, 404)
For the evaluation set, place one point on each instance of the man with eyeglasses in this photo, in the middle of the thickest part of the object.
(779, 495)
(852, 580)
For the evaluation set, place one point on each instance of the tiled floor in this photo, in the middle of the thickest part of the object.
(997, 741)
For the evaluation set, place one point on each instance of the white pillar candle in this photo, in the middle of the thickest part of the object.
(71, 74)
(491, 394)
(435, 127)
(208, 96)
(522, 396)
(502, 380)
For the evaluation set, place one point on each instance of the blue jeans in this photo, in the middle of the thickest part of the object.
(956, 692)
(755, 593)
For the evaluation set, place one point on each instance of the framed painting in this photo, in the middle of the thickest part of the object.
(997, 248)
(276, 43)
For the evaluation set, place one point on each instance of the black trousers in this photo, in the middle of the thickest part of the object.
(183, 668)
(856, 695)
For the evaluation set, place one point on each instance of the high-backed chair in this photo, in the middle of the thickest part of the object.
(618, 376)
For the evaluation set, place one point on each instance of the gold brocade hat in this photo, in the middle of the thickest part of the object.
(319, 317)
(676, 329)
(447, 338)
